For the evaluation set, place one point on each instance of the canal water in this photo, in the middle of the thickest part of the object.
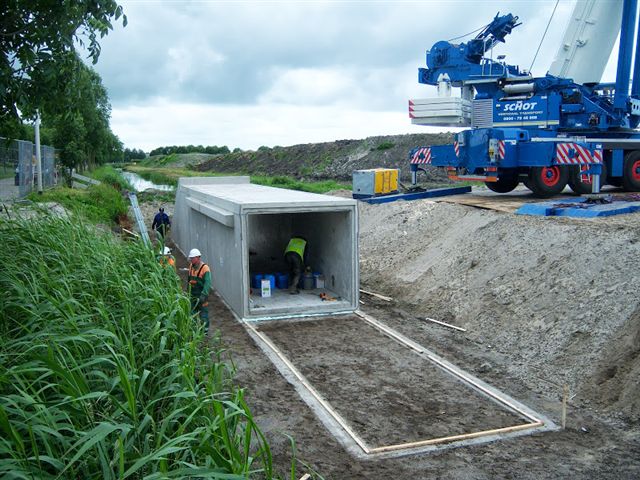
(140, 184)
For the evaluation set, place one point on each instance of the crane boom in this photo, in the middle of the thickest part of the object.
(588, 41)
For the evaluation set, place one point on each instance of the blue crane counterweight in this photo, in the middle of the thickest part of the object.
(545, 132)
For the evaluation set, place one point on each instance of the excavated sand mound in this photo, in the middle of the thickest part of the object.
(554, 299)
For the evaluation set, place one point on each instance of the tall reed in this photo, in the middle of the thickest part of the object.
(103, 373)
(109, 175)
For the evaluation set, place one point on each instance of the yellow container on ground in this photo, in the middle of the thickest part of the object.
(386, 180)
(375, 181)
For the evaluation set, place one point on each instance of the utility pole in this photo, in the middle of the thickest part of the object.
(38, 159)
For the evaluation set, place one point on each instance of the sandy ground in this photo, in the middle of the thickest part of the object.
(391, 398)
(545, 302)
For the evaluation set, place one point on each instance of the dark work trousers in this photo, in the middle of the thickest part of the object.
(295, 268)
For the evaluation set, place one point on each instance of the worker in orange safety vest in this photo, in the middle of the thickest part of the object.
(199, 286)
(166, 258)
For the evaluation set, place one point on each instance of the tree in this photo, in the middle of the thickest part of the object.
(133, 154)
(79, 114)
(35, 40)
(92, 102)
(70, 134)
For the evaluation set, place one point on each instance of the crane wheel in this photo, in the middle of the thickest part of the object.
(505, 184)
(631, 171)
(547, 181)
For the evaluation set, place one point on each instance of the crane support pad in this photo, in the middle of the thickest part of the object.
(580, 207)
(436, 192)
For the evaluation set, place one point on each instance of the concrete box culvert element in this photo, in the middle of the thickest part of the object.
(242, 231)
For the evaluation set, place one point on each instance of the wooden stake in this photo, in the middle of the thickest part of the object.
(377, 295)
(565, 397)
(445, 324)
(306, 476)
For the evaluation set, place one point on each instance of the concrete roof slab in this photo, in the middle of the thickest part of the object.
(258, 196)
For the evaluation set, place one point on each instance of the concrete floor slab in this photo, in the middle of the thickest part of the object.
(307, 302)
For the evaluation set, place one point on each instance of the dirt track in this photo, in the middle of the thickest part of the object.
(545, 301)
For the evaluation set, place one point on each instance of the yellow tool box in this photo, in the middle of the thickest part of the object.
(375, 181)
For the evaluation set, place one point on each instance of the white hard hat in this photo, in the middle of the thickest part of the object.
(167, 250)
(194, 253)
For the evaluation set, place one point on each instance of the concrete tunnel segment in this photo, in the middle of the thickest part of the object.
(242, 230)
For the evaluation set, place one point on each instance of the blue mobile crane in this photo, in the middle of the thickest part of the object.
(546, 132)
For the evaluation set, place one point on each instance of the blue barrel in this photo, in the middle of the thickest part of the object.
(255, 281)
(282, 281)
(272, 280)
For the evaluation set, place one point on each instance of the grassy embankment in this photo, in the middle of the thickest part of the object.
(103, 372)
(170, 175)
(97, 204)
(164, 170)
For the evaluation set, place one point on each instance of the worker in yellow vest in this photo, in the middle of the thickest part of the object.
(295, 255)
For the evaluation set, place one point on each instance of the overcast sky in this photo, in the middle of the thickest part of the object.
(246, 74)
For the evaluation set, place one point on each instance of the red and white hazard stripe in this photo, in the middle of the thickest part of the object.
(411, 111)
(501, 149)
(422, 155)
(597, 156)
(575, 154)
(585, 177)
(456, 147)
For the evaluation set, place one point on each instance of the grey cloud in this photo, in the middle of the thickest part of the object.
(233, 52)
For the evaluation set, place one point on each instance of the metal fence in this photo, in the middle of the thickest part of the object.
(18, 171)
(8, 157)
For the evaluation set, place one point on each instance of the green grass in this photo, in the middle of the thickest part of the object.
(7, 172)
(293, 184)
(465, 183)
(170, 176)
(98, 203)
(385, 146)
(157, 196)
(103, 373)
(109, 175)
(160, 160)
(164, 176)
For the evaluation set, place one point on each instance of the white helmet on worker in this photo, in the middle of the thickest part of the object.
(194, 253)
(166, 250)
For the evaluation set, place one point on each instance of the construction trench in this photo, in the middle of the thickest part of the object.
(246, 227)
(498, 417)
(518, 287)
